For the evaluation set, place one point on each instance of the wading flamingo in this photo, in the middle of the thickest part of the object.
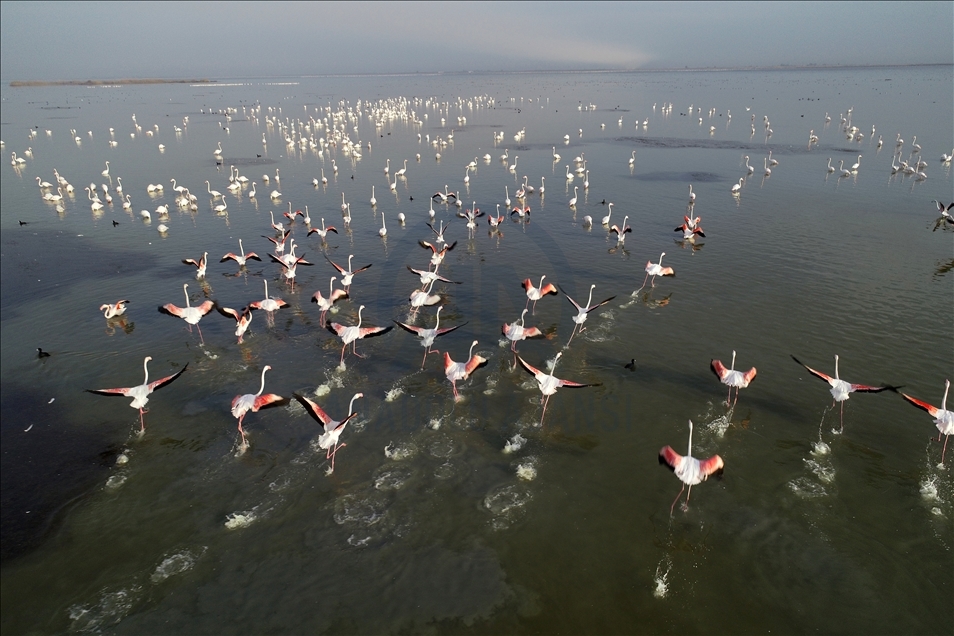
(140, 394)
(688, 469)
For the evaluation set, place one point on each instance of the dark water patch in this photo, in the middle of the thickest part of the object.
(45, 469)
(43, 263)
(695, 177)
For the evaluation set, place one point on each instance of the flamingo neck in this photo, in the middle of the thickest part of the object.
(262, 388)
(836, 368)
(689, 450)
(590, 299)
(947, 386)
(731, 366)
(185, 290)
(145, 368)
(360, 309)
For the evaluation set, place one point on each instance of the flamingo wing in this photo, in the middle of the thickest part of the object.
(262, 401)
(172, 310)
(361, 269)
(600, 304)
(473, 363)
(572, 302)
(532, 370)
(427, 245)
(864, 388)
(931, 409)
(670, 457)
(205, 307)
(190, 261)
(337, 329)
(443, 330)
(113, 392)
(719, 369)
(341, 270)
(234, 257)
(370, 332)
(233, 313)
(412, 329)
(169, 379)
(711, 466)
(572, 385)
(314, 410)
(819, 374)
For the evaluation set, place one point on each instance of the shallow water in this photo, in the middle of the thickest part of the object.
(437, 515)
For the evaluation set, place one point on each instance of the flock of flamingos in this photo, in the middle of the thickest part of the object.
(690, 470)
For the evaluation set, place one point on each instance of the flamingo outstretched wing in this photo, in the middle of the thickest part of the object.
(921, 404)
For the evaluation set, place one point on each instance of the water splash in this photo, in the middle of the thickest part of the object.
(527, 470)
(399, 452)
(661, 578)
(112, 607)
(244, 519)
(393, 394)
(514, 444)
(177, 563)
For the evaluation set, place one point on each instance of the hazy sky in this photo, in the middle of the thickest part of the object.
(94, 40)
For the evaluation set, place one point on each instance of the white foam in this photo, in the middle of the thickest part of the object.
(514, 444)
(240, 519)
(661, 579)
(527, 471)
(929, 488)
(434, 424)
(399, 452)
(393, 394)
(322, 390)
(116, 481)
(176, 564)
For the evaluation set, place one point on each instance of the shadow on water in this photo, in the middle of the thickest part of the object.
(45, 470)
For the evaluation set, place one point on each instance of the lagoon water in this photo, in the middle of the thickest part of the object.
(426, 523)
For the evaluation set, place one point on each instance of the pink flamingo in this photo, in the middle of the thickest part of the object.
(334, 295)
(346, 274)
(515, 332)
(548, 382)
(455, 371)
(428, 336)
(536, 293)
(688, 469)
(351, 335)
(242, 258)
(732, 378)
(140, 394)
(943, 419)
(582, 312)
(328, 440)
(841, 390)
(192, 315)
(242, 320)
(656, 269)
(118, 308)
(242, 404)
(268, 304)
(199, 264)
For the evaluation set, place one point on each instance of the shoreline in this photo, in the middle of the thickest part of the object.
(116, 82)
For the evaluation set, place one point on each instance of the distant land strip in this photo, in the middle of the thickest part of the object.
(15, 83)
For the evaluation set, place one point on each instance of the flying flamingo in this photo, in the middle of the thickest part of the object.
(323, 232)
(548, 382)
(455, 371)
(346, 274)
(290, 264)
(732, 378)
(279, 243)
(841, 390)
(943, 419)
(688, 469)
(515, 332)
(242, 319)
(268, 304)
(199, 264)
(536, 293)
(422, 297)
(428, 336)
(334, 295)
(656, 269)
(242, 404)
(428, 277)
(140, 394)
(118, 308)
(328, 440)
(351, 335)
(242, 258)
(582, 312)
(437, 255)
(192, 315)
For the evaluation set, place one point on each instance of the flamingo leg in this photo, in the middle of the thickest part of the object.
(244, 443)
(343, 349)
(841, 416)
(333, 453)
(673, 506)
(201, 341)
(943, 450)
(454, 386)
(546, 400)
(354, 349)
(644, 283)
(142, 425)
(688, 494)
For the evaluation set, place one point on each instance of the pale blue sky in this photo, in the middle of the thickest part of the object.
(82, 40)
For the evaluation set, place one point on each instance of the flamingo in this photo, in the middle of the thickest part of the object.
(279, 243)
(422, 297)
(542, 189)
(208, 186)
(515, 331)
(346, 274)
(768, 171)
(242, 404)
(290, 263)
(268, 304)
(140, 394)
(118, 308)
(536, 293)
(632, 160)
(831, 168)
(325, 304)
(242, 320)
(383, 230)
(841, 169)
(749, 168)
(856, 165)
(656, 269)
(548, 382)
(374, 201)
(771, 162)
(455, 371)
(437, 255)
(106, 171)
(402, 171)
(506, 196)
(192, 315)
(583, 311)
(943, 419)
(692, 195)
(323, 231)
(945, 215)
(351, 335)
(572, 202)
(688, 469)
(606, 219)
(332, 429)
(428, 336)
(732, 378)
(199, 264)
(621, 231)
(842, 390)
(241, 258)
